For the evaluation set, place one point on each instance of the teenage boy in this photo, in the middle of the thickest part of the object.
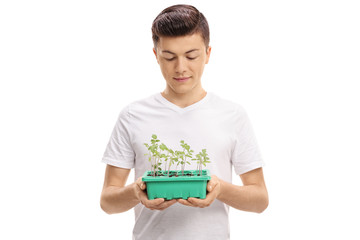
(184, 111)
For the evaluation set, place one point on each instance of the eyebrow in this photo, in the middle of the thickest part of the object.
(167, 51)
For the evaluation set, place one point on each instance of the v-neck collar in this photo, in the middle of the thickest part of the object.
(178, 109)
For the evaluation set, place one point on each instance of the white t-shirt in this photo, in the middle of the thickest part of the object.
(215, 124)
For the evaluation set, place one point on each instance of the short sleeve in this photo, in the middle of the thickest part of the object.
(246, 154)
(119, 151)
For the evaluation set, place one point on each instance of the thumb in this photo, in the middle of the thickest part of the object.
(140, 183)
(210, 187)
(212, 183)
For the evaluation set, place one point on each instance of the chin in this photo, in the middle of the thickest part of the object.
(182, 90)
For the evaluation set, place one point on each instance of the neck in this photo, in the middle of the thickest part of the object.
(184, 99)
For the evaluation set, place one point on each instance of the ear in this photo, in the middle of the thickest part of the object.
(154, 50)
(208, 51)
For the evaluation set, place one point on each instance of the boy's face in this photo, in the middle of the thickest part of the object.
(182, 61)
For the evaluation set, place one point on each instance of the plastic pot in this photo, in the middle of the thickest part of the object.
(177, 185)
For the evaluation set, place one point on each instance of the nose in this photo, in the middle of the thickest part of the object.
(180, 66)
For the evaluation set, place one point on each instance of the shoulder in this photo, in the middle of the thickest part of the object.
(226, 105)
(140, 104)
(138, 108)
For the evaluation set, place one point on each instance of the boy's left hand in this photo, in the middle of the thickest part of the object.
(213, 188)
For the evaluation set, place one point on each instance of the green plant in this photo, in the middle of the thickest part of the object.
(186, 153)
(160, 154)
(201, 159)
(154, 155)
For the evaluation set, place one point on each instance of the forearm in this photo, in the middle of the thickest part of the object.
(251, 198)
(118, 199)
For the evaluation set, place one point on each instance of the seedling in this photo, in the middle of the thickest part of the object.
(160, 154)
(186, 153)
(154, 155)
(201, 160)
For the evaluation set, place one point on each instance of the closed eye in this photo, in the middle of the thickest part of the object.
(171, 59)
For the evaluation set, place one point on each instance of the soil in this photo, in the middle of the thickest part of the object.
(171, 175)
(156, 175)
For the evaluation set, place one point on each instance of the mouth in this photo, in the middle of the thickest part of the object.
(182, 79)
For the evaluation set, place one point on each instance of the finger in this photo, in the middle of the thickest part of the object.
(185, 202)
(195, 201)
(142, 186)
(169, 203)
(211, 185)
(150, 203)
(166, 204)
(156, 202)
(201, 202)
(163, 205)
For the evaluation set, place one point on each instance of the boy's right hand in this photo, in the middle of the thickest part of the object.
(156, 204)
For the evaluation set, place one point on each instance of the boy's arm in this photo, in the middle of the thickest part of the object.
(252, 196)
(117, 198)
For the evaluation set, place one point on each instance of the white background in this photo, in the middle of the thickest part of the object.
(68, 67)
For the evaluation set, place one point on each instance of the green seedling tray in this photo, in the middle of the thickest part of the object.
(177, 187)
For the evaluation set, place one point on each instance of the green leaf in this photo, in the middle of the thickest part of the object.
(154, 136)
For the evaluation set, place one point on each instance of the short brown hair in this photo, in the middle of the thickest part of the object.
(180, 20)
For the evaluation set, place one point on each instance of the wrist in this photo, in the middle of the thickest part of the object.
(222, 186)
(135, 191)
